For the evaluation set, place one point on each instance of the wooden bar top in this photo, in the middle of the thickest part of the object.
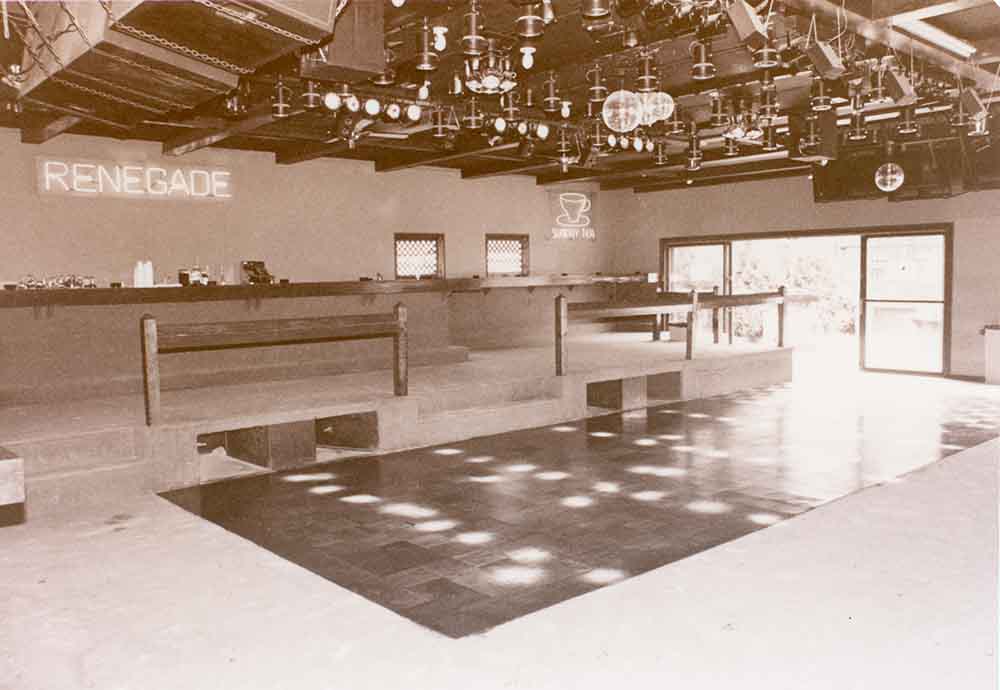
(114, 296)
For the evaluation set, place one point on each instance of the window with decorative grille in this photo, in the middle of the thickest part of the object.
(419, 256)
(507, 255)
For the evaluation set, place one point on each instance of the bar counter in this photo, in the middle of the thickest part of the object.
(160, 295)
(62, 344)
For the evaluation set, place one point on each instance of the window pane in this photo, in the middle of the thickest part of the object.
(505, 256)
(416, 258)
(904, 336)
(906, 268)
(696, 267)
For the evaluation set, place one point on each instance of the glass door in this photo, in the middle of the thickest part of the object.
(701, 267)
(903, 303)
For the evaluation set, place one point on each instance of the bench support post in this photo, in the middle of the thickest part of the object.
(692, 318)
(562, 331)
(400, 354)
(715, 318)
(781, 317)
(150, 369)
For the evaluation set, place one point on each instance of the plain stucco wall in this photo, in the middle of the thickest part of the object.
(785, 205)
(321, 220)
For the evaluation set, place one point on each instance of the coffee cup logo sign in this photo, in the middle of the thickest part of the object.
(572, 213)
(108, 179)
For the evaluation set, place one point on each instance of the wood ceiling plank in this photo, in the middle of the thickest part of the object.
(50, 130)
(192, 141)
(443, 158)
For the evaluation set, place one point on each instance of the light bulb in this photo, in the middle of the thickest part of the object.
(413, 112)
(440, 38)
(352, 103)
(564, 111)
(612, 140)
(424, 92)
(332, 101)
(650, 146)
(522, 127)
(624, 141)
(398, 3)
(638, 144)
(372, 107)
(500, 125)
(528, 57)
(393, 111)
(542, 131)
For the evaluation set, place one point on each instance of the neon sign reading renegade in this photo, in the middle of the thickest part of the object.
(132, 181)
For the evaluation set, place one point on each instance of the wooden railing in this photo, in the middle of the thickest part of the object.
(666, 303)
(199, 337)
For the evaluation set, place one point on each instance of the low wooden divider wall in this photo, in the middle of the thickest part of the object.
(666, 303)
(223, 335)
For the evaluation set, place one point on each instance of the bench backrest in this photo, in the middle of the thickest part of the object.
(193, 337)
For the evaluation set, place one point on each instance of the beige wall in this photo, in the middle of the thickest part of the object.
(782, 205)
(322, 220)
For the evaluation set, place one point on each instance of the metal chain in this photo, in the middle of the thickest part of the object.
(184, 50)
(166, 101)
(259, 23)
(41, 34)
(169, 76)
(107, 96)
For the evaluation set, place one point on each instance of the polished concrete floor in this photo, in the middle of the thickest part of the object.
(893, 586)
(466, 537)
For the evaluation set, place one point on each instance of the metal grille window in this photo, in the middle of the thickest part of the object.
(419, 256)
(507, 255)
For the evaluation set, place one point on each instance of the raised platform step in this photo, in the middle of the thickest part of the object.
(485, 395)
(454, 425)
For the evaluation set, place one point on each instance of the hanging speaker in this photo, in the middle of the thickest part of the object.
(825, 60)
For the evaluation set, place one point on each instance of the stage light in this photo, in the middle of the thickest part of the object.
(311, 98)
(427, 59)
(595, 9)
(499, 125)
(612, 140)
(332, 101)
(424, 92)
(398, 3)
(473, 41)
(280, 106)
(542, 131)
(372, 107)
(908, 126)
(702, 67)
(548, 14)
(638, 144)
(819, 100)
(597, 91)
(522, 128)
(440, 38)
(393, 111)
(624, 142)
(528, 56)
(352, 103)
(414, 112)
(564, 110)
(456, 85)
(530, 24)
(551, 101)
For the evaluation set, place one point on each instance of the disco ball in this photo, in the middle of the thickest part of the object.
(622, 111)
(656, 107)
(889, 177)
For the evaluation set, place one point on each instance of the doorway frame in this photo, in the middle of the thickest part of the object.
(946, 229)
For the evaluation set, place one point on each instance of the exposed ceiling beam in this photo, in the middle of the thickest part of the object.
(199, 139)
(510, 170)
(707, 181)
(909, 10)
(310, 152)
(886, 35)
(723, 167)
(50, 130)
(444, 158)
(76, 113)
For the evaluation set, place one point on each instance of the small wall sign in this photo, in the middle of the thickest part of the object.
(572, 215)
(90, 178)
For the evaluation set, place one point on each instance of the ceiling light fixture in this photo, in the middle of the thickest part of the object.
(597, 91)
(890, 175)
(694, 155)
(280, 106)
(622, 111)
(427, 59)
(311, 98)
(527, 56)
(440, 38)
(702, 67)
(473, 41)
(530, 24)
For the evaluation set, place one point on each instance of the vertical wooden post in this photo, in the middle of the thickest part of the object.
(781, 317)
(715, 317)
(562, 331)
(400, 354)
(150, 369)
(692, 320)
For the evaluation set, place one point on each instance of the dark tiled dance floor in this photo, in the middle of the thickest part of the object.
(469, 536)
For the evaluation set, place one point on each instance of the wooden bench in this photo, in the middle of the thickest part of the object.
(160, 339)
(665, 304)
